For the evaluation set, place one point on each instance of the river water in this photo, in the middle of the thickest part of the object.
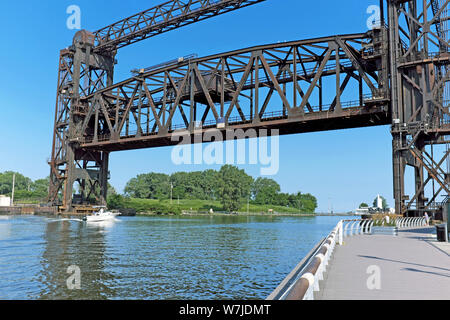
(220, 257)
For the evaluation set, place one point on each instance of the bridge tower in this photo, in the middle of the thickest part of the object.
(81, 72)
(419, 60)
(79, 177)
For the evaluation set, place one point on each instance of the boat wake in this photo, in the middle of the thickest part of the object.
(65, 219)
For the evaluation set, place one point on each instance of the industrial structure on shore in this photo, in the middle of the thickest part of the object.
(398, 73)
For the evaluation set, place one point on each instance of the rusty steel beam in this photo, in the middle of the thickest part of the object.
(354, 117)
(236, 88)
(419, 63)
(165, 17)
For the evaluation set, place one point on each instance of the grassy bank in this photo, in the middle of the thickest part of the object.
(177, 207)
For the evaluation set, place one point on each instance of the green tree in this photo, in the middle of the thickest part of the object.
(210, 184)
(116, 201)
(363, 205)
(283, 199)
(195, 185)
(180, 181)
(194, 188)
(190, 185)
(149, 186)
(40, 187)
(230, 185)
(234, 187)
(6, 182)
(265, 191)
(309, 203)
(111, 190)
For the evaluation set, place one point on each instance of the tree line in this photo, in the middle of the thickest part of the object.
(230, 185)
(24, 187)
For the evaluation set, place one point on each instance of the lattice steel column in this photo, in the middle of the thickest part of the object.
(81, 73)
(419, 63)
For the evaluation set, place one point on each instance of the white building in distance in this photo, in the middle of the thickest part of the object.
(5, 201)
(379, 202)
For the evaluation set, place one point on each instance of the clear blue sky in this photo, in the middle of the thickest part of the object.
(348, 167)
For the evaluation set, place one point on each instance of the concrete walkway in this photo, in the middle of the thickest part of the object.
(411, 266)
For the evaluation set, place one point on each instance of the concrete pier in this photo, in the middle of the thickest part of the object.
(28, 210)
(411, 266)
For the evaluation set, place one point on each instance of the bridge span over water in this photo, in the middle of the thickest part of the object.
(396, 74)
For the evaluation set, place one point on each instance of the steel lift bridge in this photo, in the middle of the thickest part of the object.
(395, 74)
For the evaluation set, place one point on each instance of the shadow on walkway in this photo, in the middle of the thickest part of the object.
(434, 273)
(427, 230)
(404, 262)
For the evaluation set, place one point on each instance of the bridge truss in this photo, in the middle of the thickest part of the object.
(394, 74)
(419, 57)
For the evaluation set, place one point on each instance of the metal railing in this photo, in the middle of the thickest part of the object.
(357, 227)
(308, 277)
(411, 222)
(305, 281)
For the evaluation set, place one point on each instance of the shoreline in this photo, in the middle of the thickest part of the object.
(244, 214)
(194, 214)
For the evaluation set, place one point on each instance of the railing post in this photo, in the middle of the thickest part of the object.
(370, 227)
(341, 233)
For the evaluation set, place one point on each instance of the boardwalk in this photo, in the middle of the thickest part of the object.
(412, 266)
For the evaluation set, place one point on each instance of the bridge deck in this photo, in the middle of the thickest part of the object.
(412, 266)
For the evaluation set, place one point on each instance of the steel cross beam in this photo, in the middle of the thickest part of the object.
(160, 19)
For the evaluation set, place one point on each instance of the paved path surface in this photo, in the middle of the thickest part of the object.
(412, 267)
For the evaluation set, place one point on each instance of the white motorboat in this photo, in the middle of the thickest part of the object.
(101, 216)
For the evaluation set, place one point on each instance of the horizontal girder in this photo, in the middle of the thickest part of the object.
(286, 85)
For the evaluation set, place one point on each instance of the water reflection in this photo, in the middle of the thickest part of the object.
(220, 257)
(70, 243)
(5, 228)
